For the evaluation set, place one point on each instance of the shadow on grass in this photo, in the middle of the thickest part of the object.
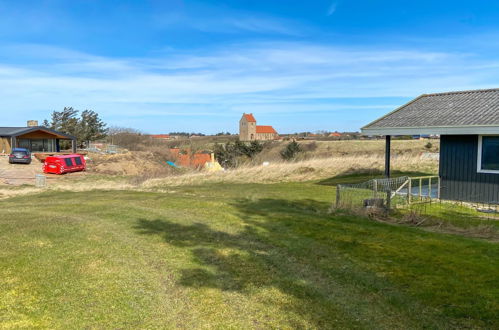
(294, 247)
(259, 256)
(240, 259)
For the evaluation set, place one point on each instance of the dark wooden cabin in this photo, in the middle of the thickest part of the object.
(468, 125)
(33, 138)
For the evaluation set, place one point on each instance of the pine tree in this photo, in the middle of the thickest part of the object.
(88, 127)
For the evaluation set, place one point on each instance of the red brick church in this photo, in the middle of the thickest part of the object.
(250, 131)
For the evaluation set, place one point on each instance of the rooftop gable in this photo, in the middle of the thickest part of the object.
(463, 112)
(249, 117)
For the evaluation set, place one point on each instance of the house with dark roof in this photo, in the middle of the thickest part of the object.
(33, 137)
(250, 131)
(468, 125)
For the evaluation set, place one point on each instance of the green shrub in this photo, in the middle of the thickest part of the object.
(290, 151)
(229, 154)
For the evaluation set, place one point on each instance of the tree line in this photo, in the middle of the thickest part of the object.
(86, 125)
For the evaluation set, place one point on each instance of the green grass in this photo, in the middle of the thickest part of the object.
(233, 256)
(363, 175)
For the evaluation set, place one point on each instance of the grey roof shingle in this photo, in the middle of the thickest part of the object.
(11, 131)
(16, 131)
(453, 109)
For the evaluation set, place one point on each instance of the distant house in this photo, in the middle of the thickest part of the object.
(161, 136)
(468, 125)
(335, 135)
(250, 131)
(33, 137)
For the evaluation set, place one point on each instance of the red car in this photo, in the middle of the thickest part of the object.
(64, 164)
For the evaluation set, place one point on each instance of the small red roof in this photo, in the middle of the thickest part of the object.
(265, 129)
(160, 136)
(249, 117)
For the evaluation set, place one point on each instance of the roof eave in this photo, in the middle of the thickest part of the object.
(435, 130)
(45, 129)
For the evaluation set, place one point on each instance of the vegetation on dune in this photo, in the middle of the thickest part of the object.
(233, 256)
(305, 170)
(231, 155)
(290, 151)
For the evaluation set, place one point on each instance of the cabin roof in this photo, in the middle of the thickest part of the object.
(462, 112)
(17, 131)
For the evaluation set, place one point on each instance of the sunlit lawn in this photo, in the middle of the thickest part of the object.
(233, 256)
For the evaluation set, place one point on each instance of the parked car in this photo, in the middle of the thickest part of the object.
(64, 164)
(20, 155)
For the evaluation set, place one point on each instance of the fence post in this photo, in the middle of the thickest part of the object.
(409, 191)
(337, 196)
(420, 189)
(438, 188)
(388, 200)
(429, 187)
(375, 186)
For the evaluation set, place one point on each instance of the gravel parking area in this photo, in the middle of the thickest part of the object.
(18, 174)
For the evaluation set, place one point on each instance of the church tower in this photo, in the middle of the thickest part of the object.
(247, 127)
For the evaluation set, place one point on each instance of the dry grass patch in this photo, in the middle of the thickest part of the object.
(306, 170)
(299, 171)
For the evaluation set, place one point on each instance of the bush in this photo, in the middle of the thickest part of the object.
(229, 154)
(290, 151)
(428, 145)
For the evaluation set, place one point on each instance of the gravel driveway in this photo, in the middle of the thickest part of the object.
(18, 174)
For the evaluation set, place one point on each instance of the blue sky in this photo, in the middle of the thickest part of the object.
(179, 65)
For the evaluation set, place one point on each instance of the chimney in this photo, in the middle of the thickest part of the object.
(32, 123)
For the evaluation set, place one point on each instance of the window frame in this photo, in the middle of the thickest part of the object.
(479, 158)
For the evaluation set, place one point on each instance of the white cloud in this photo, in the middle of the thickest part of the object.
(224, 20)
(270, 77)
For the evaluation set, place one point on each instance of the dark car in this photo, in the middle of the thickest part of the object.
(20, 155)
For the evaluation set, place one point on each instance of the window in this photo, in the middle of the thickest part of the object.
(488, 154)
(37, 145)
(77, 160)
(68, 161)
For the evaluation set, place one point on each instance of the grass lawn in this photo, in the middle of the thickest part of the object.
(233, 256)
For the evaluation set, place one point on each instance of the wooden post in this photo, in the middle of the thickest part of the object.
(388, 200)
(388, 140)
(73, 145)
(438, 188)
(375, 186)
(409, 191)
(337, 196)
(420, 188)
